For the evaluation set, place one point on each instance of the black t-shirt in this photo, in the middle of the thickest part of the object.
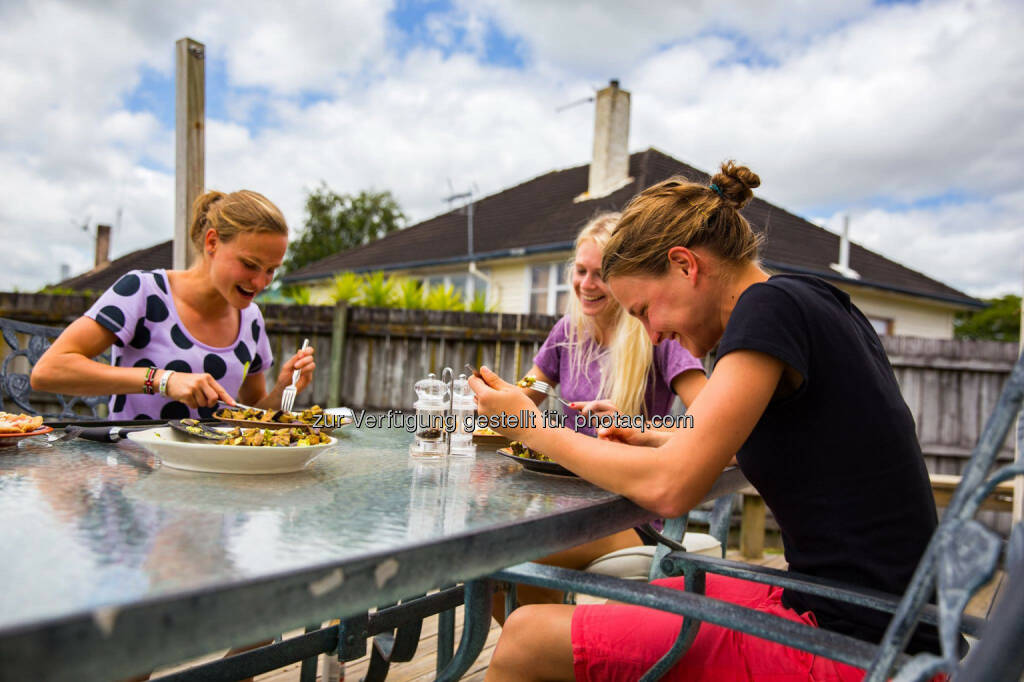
(837, 461)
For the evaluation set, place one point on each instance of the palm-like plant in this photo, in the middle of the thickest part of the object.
(479, 303)
(378, 291)
(409, 294)
(346, 287)
(300, 295)
(442, 297)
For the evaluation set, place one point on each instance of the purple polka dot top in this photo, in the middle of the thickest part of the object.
(140, 311)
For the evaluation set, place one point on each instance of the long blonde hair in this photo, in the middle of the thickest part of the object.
(626, 362)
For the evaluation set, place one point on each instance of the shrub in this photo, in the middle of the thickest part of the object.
(442, 297)
(479, 303)
(378, 291)
(346, 287)
(409, 294)
(299, 295)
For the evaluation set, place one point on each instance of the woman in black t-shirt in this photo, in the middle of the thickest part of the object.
(804, 397)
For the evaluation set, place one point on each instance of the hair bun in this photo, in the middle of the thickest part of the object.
(736, 183)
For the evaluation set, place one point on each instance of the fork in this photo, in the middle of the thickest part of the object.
(288, 396)
(545, 388)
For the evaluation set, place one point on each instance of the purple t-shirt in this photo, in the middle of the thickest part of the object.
(140, 311)
(670, 360)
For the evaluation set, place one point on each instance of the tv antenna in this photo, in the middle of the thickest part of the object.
(570, 105)
(468, 196)
(84, 225)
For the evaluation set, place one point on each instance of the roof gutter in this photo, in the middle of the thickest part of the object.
(835, 277)
(452, 260)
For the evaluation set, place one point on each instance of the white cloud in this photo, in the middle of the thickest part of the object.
(839, 106)
(987, 262)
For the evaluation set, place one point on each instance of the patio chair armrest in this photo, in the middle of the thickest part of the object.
(688, 604)
(673, 563)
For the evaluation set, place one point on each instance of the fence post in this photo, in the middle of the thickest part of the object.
(752, 527)
(338, 341)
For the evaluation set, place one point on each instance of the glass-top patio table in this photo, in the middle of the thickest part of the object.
(114, 564)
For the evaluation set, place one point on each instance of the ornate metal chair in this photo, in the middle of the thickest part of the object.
(15, 390)
(960, 558)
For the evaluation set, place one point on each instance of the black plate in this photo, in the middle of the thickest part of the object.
(538, 465)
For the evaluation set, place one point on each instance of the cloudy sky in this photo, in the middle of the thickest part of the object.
(907, 116)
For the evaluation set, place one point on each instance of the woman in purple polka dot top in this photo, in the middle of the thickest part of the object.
(184, 339)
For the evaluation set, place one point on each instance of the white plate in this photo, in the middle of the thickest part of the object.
(177, 450)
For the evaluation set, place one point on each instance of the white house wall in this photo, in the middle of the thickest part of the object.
(910, 317)
(510, 281)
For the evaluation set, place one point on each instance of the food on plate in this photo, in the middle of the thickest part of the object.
(485, 431)
(313, 416)
(520, 450)
(526, 382)
(291, 437)
(19, 423)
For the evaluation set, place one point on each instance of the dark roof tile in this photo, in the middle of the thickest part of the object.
(150, 258)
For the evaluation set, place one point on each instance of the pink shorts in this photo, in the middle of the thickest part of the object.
(619, 642)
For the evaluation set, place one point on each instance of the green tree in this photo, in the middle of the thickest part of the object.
(337, 222)
(1000, 321)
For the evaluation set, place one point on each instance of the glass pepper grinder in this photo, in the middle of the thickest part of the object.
(431, 404)
(463, 411)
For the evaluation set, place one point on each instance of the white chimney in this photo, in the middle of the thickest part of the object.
(609, 168)
(843, 266)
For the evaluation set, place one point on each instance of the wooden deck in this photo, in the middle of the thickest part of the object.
(421, 668)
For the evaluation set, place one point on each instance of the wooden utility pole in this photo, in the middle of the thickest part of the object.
(189, 142)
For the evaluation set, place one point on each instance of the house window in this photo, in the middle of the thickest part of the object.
(881, 325)
(549, 289)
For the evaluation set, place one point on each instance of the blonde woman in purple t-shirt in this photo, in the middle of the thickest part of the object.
(604, 362)
(184, 339)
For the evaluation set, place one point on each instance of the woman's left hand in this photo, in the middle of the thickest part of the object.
(595, 407)
(302, 361)
(495, 396)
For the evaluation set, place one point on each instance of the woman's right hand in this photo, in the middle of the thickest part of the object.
(196, 390)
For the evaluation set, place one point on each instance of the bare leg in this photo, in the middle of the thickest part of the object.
(535, 644)
(576, 558)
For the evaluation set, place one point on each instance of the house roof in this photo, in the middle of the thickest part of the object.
(541, 215)
(99, 279)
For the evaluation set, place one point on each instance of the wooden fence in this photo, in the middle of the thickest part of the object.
(370, 358)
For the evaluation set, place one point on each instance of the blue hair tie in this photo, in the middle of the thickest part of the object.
(717, 189)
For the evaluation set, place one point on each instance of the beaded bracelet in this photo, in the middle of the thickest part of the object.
(147, 387)
(164, 378)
